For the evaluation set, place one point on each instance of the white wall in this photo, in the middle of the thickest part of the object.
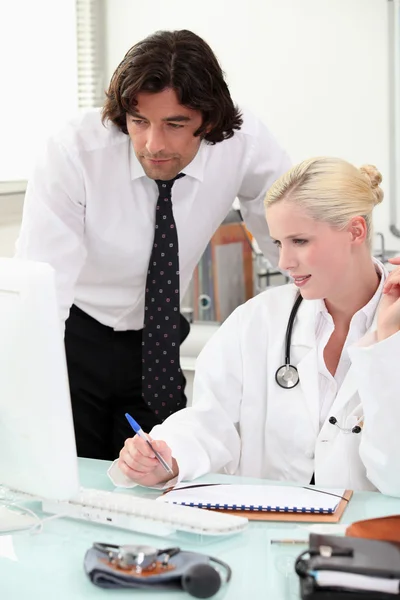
(38, 66)
(8, 236)
(10, 221)
(316, 71)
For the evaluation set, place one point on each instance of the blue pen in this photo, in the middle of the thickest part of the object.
(139, 431)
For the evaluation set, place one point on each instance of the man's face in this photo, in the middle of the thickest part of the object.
(161, 131)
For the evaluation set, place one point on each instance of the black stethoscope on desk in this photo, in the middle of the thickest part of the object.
(287, 376)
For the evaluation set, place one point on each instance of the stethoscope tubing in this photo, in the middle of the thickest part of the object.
(287, 376)
(288, 336)
(281, 375)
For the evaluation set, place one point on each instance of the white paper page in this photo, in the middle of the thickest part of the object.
(354, 581)
(276, 497)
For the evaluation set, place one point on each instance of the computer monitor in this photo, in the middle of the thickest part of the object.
(37, 441)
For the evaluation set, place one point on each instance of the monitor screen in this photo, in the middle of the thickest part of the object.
(37, 441)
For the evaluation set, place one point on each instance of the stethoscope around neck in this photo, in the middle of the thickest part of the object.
(287, 375)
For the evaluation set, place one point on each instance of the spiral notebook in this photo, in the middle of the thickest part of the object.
(264, 502)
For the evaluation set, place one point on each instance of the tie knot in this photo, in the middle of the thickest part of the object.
(166, 186)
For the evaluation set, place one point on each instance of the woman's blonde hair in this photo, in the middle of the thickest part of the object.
(330, 190)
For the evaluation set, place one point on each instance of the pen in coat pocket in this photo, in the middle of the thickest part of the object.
(139, 431)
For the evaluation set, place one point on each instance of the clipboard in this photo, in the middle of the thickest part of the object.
(259, 514)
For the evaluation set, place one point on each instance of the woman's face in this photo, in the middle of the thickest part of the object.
(314, 253)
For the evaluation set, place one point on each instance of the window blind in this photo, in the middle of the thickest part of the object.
(91, 48)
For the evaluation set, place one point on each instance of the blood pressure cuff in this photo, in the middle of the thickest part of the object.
(106, 575)
(111, 567)
(349, 568)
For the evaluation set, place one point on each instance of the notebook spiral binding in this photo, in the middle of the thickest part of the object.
(252, 508)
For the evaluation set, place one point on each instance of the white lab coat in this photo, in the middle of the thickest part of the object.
(243, 423)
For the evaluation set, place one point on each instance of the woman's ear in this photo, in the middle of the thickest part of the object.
(358, 230)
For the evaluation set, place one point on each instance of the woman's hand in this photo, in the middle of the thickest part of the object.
(138, 462)
(389, 306)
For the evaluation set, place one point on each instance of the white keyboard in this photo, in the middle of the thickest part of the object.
(144, 515)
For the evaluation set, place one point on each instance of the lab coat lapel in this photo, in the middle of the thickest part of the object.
(349, 386)
(346, 392)
(303, 350)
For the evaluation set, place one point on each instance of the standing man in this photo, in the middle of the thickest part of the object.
(122, 205)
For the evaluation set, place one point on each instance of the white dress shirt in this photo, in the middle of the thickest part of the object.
(330, 385)
(90, 211)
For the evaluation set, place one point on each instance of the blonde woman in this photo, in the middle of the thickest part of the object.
(334, 418)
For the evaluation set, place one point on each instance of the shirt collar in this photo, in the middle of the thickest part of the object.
(369, 309)
(194, 169)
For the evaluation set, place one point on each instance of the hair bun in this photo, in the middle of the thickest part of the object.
(375, 179)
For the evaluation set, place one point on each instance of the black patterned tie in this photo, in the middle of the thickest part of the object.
(161, 373)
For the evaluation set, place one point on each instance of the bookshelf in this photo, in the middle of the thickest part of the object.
(223, 278)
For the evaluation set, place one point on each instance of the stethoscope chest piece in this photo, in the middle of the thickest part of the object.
(287, 376)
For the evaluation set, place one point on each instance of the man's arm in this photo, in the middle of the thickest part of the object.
(268, 161)
(53, 220)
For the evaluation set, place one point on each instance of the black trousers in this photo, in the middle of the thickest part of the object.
(105, 379)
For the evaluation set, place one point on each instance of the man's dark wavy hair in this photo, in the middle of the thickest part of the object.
(180, 60)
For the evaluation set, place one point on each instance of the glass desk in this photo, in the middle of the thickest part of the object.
(49, 565)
